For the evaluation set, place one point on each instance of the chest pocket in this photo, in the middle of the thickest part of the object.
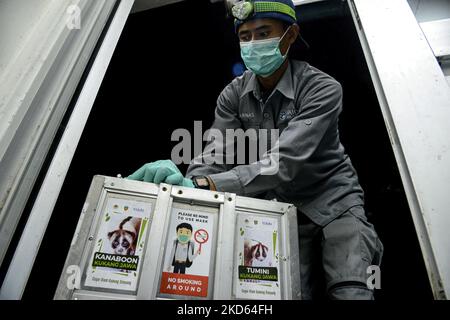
(249, 119)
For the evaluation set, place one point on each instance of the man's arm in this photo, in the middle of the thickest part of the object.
(320, 109)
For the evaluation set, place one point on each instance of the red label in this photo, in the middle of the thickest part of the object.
(184, 284)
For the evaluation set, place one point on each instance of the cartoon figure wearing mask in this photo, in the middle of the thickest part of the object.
(182, 254)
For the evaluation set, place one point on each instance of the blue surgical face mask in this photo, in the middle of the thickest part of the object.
(263, 57)
(183, 238)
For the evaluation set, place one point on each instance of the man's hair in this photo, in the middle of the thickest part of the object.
(184, 226)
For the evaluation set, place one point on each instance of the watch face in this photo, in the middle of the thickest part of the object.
(202, 182)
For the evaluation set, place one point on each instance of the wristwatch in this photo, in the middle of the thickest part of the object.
(202, 182)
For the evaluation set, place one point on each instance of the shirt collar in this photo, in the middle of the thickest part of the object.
(284, 85)
(251, 85)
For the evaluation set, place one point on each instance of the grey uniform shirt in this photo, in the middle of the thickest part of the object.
(315, 173)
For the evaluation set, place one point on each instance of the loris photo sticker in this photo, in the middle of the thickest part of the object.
(119, 246)
(188, 253)
(257, 258)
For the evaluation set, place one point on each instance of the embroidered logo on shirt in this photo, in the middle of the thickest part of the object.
(247, 115)
(287, 114)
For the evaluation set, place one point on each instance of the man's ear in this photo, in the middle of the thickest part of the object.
(293, 33)
(289, 38)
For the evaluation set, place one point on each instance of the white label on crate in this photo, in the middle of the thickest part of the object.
(188, 253)
(116, 260)
(257, 256)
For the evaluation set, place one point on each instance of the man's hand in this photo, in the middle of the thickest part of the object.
(161, 171)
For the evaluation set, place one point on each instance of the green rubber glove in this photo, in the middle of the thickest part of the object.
(161, 171)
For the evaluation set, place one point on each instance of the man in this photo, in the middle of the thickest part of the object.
(337, 243)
